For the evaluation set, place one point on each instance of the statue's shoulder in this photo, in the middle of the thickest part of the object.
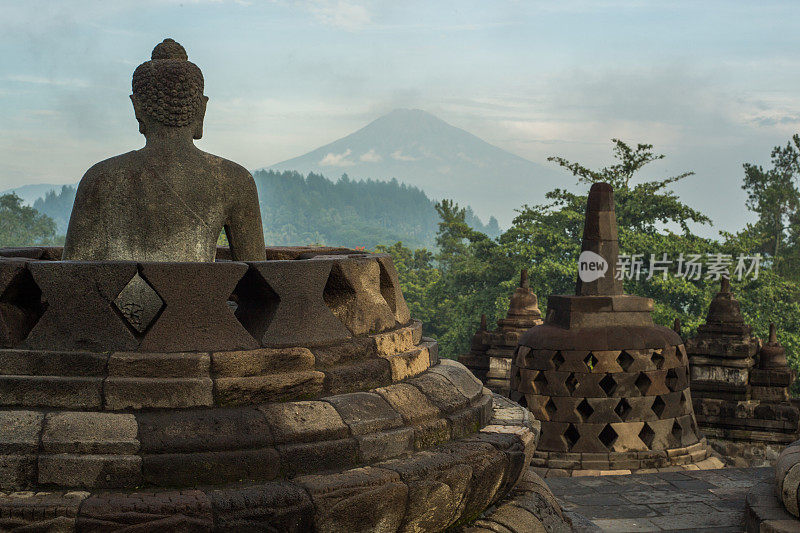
(228, 169)
(104, 173)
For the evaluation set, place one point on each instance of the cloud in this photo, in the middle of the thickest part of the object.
(345, 14)
(337, 160)
(399, 156)
(38, 80)
(371, 157)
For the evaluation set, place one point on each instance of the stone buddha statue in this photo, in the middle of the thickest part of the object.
(170, 200)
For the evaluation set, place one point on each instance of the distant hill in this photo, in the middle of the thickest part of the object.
(312, 209)
(422, 150)
(30, 193)
(299, 209)
(57, 204)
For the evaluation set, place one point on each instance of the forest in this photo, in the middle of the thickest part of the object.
(312, 209)
(470, 273)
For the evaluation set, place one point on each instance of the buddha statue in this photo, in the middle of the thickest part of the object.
(170, 200)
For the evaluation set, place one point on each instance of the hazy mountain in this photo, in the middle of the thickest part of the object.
(422, 150)
(30, 193)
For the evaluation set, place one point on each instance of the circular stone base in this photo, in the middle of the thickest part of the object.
(698, 456)
(765, 513)
(427, 490)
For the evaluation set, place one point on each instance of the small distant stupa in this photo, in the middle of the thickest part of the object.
(491, 352)
(741, 387)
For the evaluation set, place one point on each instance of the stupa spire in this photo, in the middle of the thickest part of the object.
(599, 239)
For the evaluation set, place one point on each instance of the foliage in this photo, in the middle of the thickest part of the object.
(311, 209)
(58, 206)
(22, 225)
(473, 273)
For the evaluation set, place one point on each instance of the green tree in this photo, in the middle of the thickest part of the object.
(21, 225)
(774, 196)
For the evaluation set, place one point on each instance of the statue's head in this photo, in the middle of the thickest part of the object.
(168, 91)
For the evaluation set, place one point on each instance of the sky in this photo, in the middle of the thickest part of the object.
(712, 84)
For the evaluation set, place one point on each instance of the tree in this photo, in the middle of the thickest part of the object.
(22, 225)
(773, 195)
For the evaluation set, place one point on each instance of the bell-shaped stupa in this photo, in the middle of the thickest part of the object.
(491, 352)
(610, 387)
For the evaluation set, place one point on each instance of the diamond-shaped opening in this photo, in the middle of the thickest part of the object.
(608, 436)
(625, 360)
(643, 383)
(590, 361)
(571, 436)
(676, 433)
(21, 307)
(551, 409)
(388, 290)
(658, 406)
(658, 360)
(682, 402)
(571, 383)
(139, 304)
(647, 435)
(558, 360)
(523, 401)
(540, 383)
(584, 410)
(672, 379)
(254, 303)
(608, 384)
(338, 294)
(623, 409)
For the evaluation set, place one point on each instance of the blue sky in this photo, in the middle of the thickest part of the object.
(710, 84)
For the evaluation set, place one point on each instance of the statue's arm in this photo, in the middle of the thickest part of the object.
(243, 227)
(84, 233)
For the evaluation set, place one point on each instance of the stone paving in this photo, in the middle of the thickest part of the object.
(694, 500)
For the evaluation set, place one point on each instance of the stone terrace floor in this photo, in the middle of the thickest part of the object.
(693, 500)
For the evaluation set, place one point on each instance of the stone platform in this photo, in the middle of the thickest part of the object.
(294, 394)
(688, 501)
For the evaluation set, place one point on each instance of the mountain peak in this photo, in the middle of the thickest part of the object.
(420, 149)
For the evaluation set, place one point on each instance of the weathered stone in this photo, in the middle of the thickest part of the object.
(299, 314)
(215, 429)
(262, 361)
(267, 507)
(309, 457)
(188, 510)
(358, 375)
(17, 472)
(90, 433)
(41, 363)
(158, 393)
(407, 400)
(268, 388)
(304, 422)
(408, 364)
(159, 365)
(194, 320)
(353, 293)
(362, 499)
(210, 468)
(19, 431)
(365, 412)
(79, 314)
(51, 391)
(385, 444)
(395, 341)
(440, 391)
(90, 471)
